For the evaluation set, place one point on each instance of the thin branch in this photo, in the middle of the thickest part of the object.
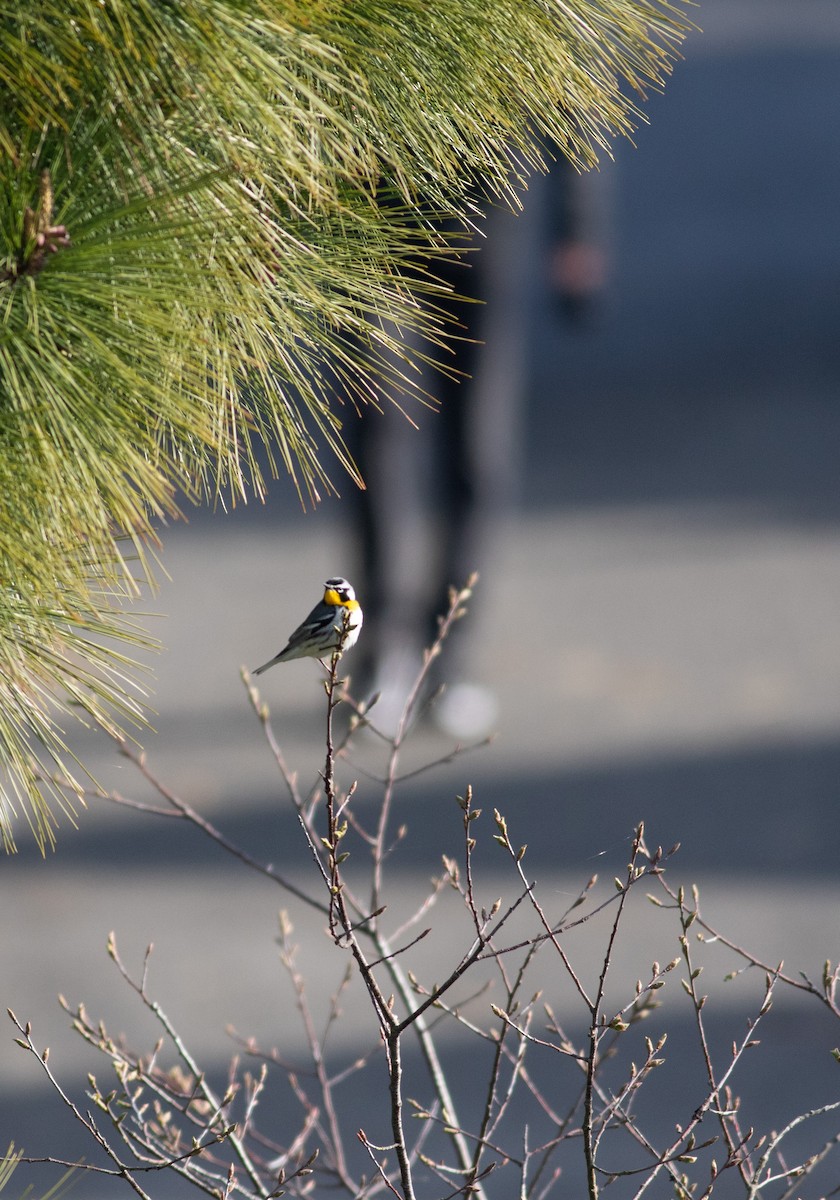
(206, 1091)
(85, 1119)
(773, 1144)
(188, 813)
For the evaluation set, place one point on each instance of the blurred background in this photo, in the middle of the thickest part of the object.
(657, 620)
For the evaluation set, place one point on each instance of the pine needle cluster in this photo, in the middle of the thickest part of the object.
(215, 217)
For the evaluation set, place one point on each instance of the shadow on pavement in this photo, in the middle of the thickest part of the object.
(747, 810)
(794, 1046)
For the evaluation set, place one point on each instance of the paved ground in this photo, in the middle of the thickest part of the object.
(680, 504)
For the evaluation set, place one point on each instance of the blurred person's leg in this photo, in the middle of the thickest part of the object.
(387, 529)
(479, 439)
(472, 445)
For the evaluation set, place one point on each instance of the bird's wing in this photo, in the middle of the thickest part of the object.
(318, 621)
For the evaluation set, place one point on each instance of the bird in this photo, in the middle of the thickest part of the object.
(331, 628)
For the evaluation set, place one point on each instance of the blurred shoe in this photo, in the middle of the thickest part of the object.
(393, 680)
(466, 711)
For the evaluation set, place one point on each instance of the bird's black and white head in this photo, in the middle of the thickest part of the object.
(338, 591)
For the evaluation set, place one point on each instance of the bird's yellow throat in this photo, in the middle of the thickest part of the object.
(332, 597)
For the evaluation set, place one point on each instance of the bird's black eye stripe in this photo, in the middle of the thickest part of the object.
(341, 588)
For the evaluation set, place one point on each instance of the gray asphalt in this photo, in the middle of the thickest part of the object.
(679, 512)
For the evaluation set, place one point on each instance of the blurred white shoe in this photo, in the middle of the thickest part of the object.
(394, 680)
(466, 711)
